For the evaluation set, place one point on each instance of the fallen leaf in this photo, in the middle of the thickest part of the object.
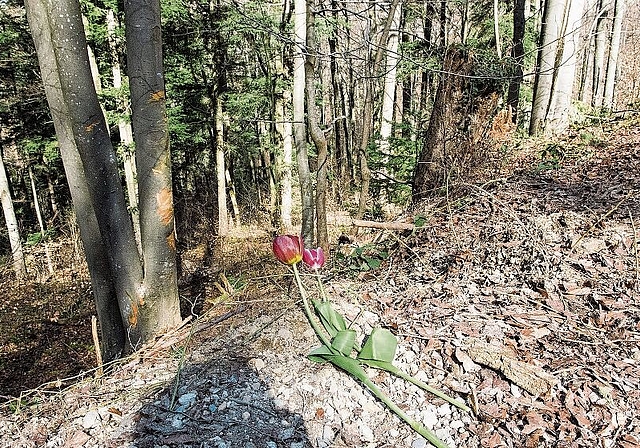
(78, 438)
(535, 333)
(578, 412)
(467, 362)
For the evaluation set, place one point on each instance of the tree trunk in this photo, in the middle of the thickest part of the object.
(448, 136)
(284, 128)
(367, 113)
(558, 118)
(614, 52)
(151, 135)
(98, 159)
(146, 295)
(599, 55)
(299, 128)
(19, 266)
(232, 196)
(43, 230)
(556, 66)
(103, 287)
(127, 150)
(389, 92)
(223, 214)
(318, 137)
(517, 53)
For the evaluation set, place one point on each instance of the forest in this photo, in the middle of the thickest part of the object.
(469, 166)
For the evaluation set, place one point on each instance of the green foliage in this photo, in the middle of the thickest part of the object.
(393, 169)
(551, 157)
(41, 148)
(33, 239)
(364, 258)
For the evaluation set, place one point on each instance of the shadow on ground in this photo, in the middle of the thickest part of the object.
(223, 404)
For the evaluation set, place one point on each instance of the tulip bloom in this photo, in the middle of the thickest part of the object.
(314, 258)
(288, 249)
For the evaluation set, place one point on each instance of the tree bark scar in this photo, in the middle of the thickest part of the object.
(90, 127)
(165, 206)
(133, 317)
(157, 96)
(171, 241)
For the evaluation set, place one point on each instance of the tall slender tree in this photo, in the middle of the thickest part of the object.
(299, 127)
(17, 254)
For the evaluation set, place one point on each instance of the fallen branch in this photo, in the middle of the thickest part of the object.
(530, 377)
(383, 225)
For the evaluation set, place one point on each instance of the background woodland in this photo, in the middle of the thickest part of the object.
(279, 113)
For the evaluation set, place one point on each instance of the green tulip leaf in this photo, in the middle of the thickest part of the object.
(344, 341)
(380, 346)
(321, 354)
(352, 366)
(332, 321)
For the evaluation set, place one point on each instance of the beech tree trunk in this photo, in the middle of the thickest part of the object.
(146, 291)
(599, 55)
(103, 287)
(556, 66)
(151, 134)
(221, 169)
(299, 128)
(318, 137)
(389, 92)
(17, 254)
(517, 53)
(614, 52)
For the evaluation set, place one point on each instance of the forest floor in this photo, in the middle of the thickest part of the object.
(520, 296)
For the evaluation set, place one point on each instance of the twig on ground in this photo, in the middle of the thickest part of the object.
(383, 225)
(96, 345)
(635, 248)
(602, 218)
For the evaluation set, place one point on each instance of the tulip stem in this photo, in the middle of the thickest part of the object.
(307, 310)
(323, 294)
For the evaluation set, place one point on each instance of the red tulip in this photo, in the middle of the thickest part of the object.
(314, 258)
(288, 248)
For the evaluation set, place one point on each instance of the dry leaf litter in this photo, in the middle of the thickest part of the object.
(519, 297)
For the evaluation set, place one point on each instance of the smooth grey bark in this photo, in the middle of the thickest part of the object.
(159, 307)
(98, 159)
(146, 290)
(127, 149)
(547, 53)
(299, 128)
(600, 49)
(111, 326)
(17, 254)
(614, 53)
(43, 230)
(223, 214)
(390, 81)
(517, 54)
(318, 137)
(556, 66)
(558, 118)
